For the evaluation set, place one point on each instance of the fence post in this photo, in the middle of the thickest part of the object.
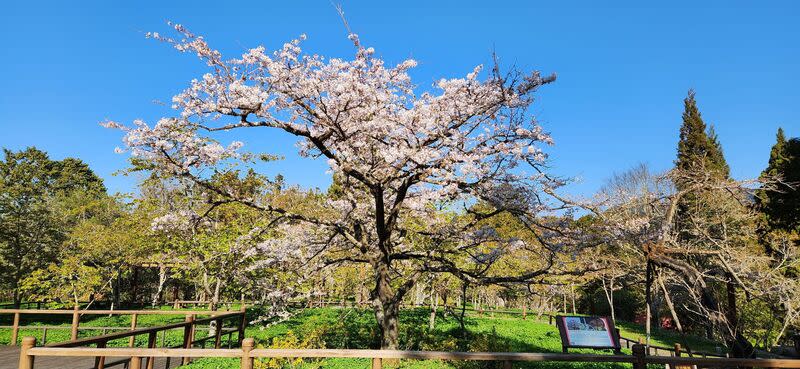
(524, 311)
(188, 336)
(243, 322)
(247, 361)
(377, 363)
(639, 353)
(218, 334)
(507, 364)
(75, 321)
(132, 340)
(151, 343)
(100, 361)
(136, 362)
(25, 360)
(14, 330)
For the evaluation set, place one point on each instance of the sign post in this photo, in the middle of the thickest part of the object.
(592, 332)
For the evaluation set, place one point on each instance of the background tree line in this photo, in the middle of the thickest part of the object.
(713, 256)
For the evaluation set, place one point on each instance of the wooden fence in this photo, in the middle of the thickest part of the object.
(479, 310)
(247, 354)
(236, 324)
(132, 331)
(654, 350)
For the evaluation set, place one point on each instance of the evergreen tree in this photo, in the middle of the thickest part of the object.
(701, 161)
(781, 204)
(699, 156)
(699, 148)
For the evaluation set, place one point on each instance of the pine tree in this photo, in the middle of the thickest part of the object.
(699, 156)
(701, 161)
(699, 149)
(781, 204)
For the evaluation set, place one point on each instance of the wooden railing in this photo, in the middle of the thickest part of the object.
(74, 327)
(189, 327)
(626, 342)
(236, 324)
(670, 351)
(247, 354)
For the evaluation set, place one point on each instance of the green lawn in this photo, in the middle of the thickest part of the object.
(350, 328)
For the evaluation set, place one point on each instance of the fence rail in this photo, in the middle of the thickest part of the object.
(247, 354)
(76, 313)
(480, 310)
(78, 347)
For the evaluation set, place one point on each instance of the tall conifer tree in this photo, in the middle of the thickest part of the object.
(700, 159)
(699, 147)
(781, 205)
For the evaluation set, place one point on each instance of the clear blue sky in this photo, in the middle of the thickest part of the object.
(623, 70)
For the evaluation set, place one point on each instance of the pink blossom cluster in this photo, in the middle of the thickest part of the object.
(405, 150)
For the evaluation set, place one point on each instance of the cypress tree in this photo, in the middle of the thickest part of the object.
(700, 156)
(699, 148)
(781, 203)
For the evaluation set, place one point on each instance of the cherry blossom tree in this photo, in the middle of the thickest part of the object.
(416, 169)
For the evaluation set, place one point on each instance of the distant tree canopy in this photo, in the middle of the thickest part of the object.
(31, 221)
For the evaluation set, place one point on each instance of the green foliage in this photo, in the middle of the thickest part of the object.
(781, 204)
(628, 302)
(699, 156)
(699, 148)
(39, 200)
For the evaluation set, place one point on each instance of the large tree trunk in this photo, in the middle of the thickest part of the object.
(17, 297)
(134, 285)
(387, 307)
(740, 346)
(434, 307)
(215, 298)
(162, 279)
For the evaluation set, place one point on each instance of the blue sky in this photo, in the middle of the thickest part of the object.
(623, 70)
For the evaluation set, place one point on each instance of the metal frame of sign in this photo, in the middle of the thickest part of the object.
(562, 330)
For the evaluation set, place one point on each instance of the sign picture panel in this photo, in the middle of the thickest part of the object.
(587, 332)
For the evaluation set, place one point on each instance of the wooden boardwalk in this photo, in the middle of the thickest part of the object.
(9, 359)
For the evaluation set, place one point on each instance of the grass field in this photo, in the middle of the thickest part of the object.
(355, 328)
(350, 328)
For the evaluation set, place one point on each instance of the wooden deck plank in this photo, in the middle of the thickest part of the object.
(9, 359)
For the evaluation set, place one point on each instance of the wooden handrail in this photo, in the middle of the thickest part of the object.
(725, 362)
(329, 353)
(438, 355)
(672, 350)
(113, 312)
(128, 351)
(139, 331)
(248, 354)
